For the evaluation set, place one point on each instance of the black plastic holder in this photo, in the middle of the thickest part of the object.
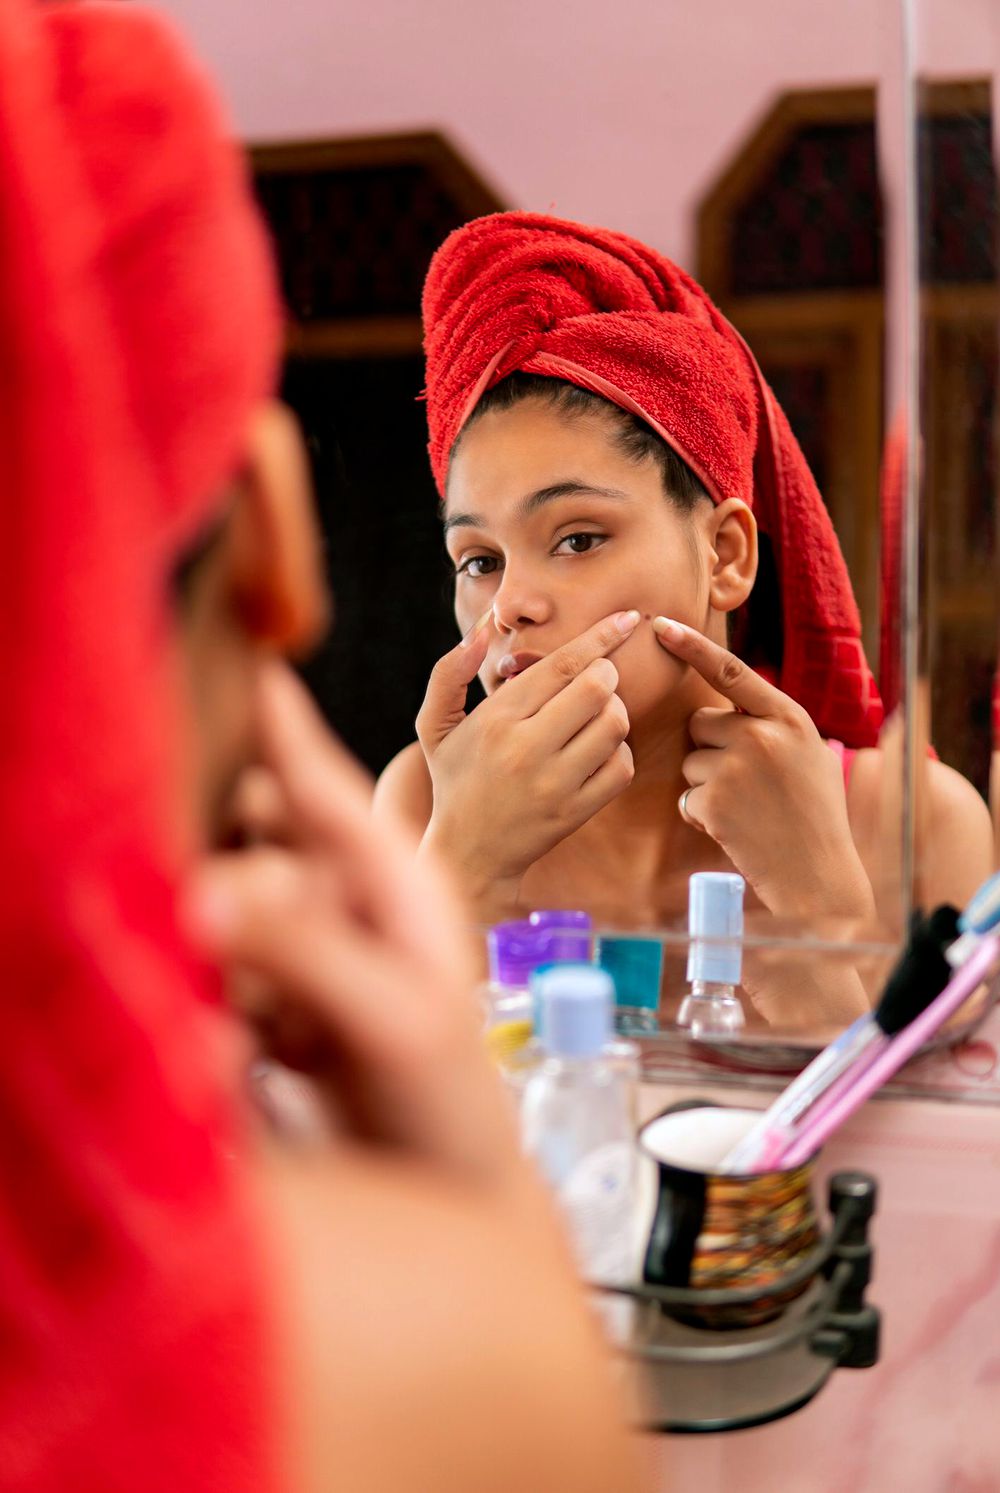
(700, 1379)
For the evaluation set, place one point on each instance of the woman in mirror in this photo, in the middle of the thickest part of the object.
(652, 595)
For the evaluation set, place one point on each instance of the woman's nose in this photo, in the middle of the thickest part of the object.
(517, 603)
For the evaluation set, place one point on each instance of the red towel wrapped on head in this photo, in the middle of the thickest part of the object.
(138, 330)
(522, 292)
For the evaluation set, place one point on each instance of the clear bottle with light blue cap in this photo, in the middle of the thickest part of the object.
(516, 950)
(578, 1117)
(712, 1007)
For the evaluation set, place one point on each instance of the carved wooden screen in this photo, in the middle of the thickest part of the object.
(355, 222)
(959, 314)
(790, 243)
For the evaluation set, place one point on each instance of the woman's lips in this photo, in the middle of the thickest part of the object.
(513, 664)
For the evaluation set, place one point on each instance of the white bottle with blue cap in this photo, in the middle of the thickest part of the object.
(578, 1117)
(715, 954)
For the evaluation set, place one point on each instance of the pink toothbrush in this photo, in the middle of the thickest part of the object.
(892, 1056)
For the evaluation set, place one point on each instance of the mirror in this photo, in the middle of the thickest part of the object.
(944, 462)
(957, 477)
(782, 188)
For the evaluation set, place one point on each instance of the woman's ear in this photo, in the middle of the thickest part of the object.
(276, 578)
(733, 536)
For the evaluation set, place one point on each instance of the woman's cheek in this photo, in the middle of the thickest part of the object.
(647, 674)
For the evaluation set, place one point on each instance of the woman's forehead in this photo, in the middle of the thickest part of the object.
(506, 457)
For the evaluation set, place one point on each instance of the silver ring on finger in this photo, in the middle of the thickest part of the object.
(682, 805)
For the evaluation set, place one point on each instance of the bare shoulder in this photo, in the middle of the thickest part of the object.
(952, 801)
(404, 788)
(952, 796)
(959, 832)
(954, 831)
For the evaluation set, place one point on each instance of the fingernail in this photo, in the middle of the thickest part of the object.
(665, 627)
(626, 622)
(477, 628)
(209, 910)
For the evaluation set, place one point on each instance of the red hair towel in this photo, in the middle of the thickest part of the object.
(139, 328)
(521, 292)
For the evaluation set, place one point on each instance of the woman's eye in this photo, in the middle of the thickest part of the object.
(477, 565)
(580, 544)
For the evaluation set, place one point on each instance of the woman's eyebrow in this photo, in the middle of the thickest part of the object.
(464, 521)
(535, 500)
(570, 488)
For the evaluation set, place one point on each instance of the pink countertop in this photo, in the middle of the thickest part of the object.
(926, 1419)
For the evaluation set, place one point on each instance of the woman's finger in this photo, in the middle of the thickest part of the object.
(715, 726)
(535, 687)
(592, 746)
(687, 807)
(301, 749)
(699, 766)
(258, 813)
(444, 703)
(604, 786)
(329, 796)
(574, 708)
(267, 911)
(404, 1058)
(727, 674)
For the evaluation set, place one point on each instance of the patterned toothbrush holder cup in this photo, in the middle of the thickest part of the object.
(711, 1232)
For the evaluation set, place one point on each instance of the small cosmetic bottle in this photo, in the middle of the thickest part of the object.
(516, 951)
(578, 1117)
(569, 934)
(712, 1007)
(636, 967)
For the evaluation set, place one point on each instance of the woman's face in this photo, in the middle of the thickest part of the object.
(551, 524)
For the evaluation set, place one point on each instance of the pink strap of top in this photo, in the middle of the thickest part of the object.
(845, 755)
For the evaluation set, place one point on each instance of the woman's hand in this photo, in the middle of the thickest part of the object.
(532, 763)
(416, 1232)
(767, 789)
(367, 975)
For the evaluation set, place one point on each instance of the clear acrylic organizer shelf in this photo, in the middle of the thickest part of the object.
(701, 1379)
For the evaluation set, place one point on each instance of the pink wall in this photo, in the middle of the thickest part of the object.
(615, 113)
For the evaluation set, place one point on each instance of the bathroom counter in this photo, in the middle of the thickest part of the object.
(925, 1418)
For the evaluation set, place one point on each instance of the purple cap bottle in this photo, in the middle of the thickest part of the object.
(514, 951)
(567, 935)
